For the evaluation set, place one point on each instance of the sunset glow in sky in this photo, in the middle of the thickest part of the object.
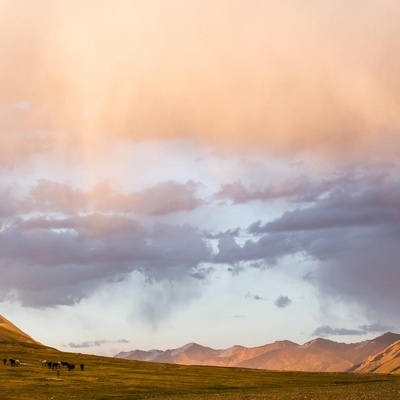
(217, 171)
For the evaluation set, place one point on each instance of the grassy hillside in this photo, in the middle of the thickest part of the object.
(9, 333)
(110, 378)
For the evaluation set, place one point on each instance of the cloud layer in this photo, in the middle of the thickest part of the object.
(346, 225)
(279, 76)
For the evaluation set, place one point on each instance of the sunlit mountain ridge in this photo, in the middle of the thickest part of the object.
(318, 355)
(386, 361)
(12, 334)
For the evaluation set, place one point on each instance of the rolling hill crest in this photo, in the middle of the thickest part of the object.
(318, 355)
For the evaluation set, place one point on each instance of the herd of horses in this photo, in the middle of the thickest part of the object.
(60, 364)
(13, 363)
(49, 364)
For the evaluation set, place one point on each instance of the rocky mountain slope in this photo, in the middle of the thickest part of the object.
(319, 355)
(386, 361)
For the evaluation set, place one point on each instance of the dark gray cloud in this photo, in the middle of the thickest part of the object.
(87, 344)
(350, 231)
(350, 202)
(224, 234)
(94, 343)
(353, 233)
(58, 243)
(348, 227)
(327, 330)
(50, 262)
(282, 301)
(269, 248)
(376, 327)
(122, 341)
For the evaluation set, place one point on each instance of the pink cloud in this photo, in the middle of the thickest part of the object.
(273, 75)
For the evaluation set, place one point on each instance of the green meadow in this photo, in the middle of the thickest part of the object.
(106, 378)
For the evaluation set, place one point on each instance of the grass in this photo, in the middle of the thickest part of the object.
(107, 378)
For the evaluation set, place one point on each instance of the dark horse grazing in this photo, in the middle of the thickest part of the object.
(12, 362)
(71, 367)
(4, 361)
(55, 365)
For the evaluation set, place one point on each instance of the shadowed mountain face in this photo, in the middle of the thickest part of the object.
(319, 355)
(9, 333)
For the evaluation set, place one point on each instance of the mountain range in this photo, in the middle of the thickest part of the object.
(381, 354)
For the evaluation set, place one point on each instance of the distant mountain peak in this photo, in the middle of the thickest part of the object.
(388, 336)
(319, 342)
(184, 348)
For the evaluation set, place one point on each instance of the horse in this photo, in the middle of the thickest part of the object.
(56, 365)
(12, 362)
(71, 367)
(43, 362)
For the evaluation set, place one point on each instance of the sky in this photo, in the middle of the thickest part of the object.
(221, 172)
